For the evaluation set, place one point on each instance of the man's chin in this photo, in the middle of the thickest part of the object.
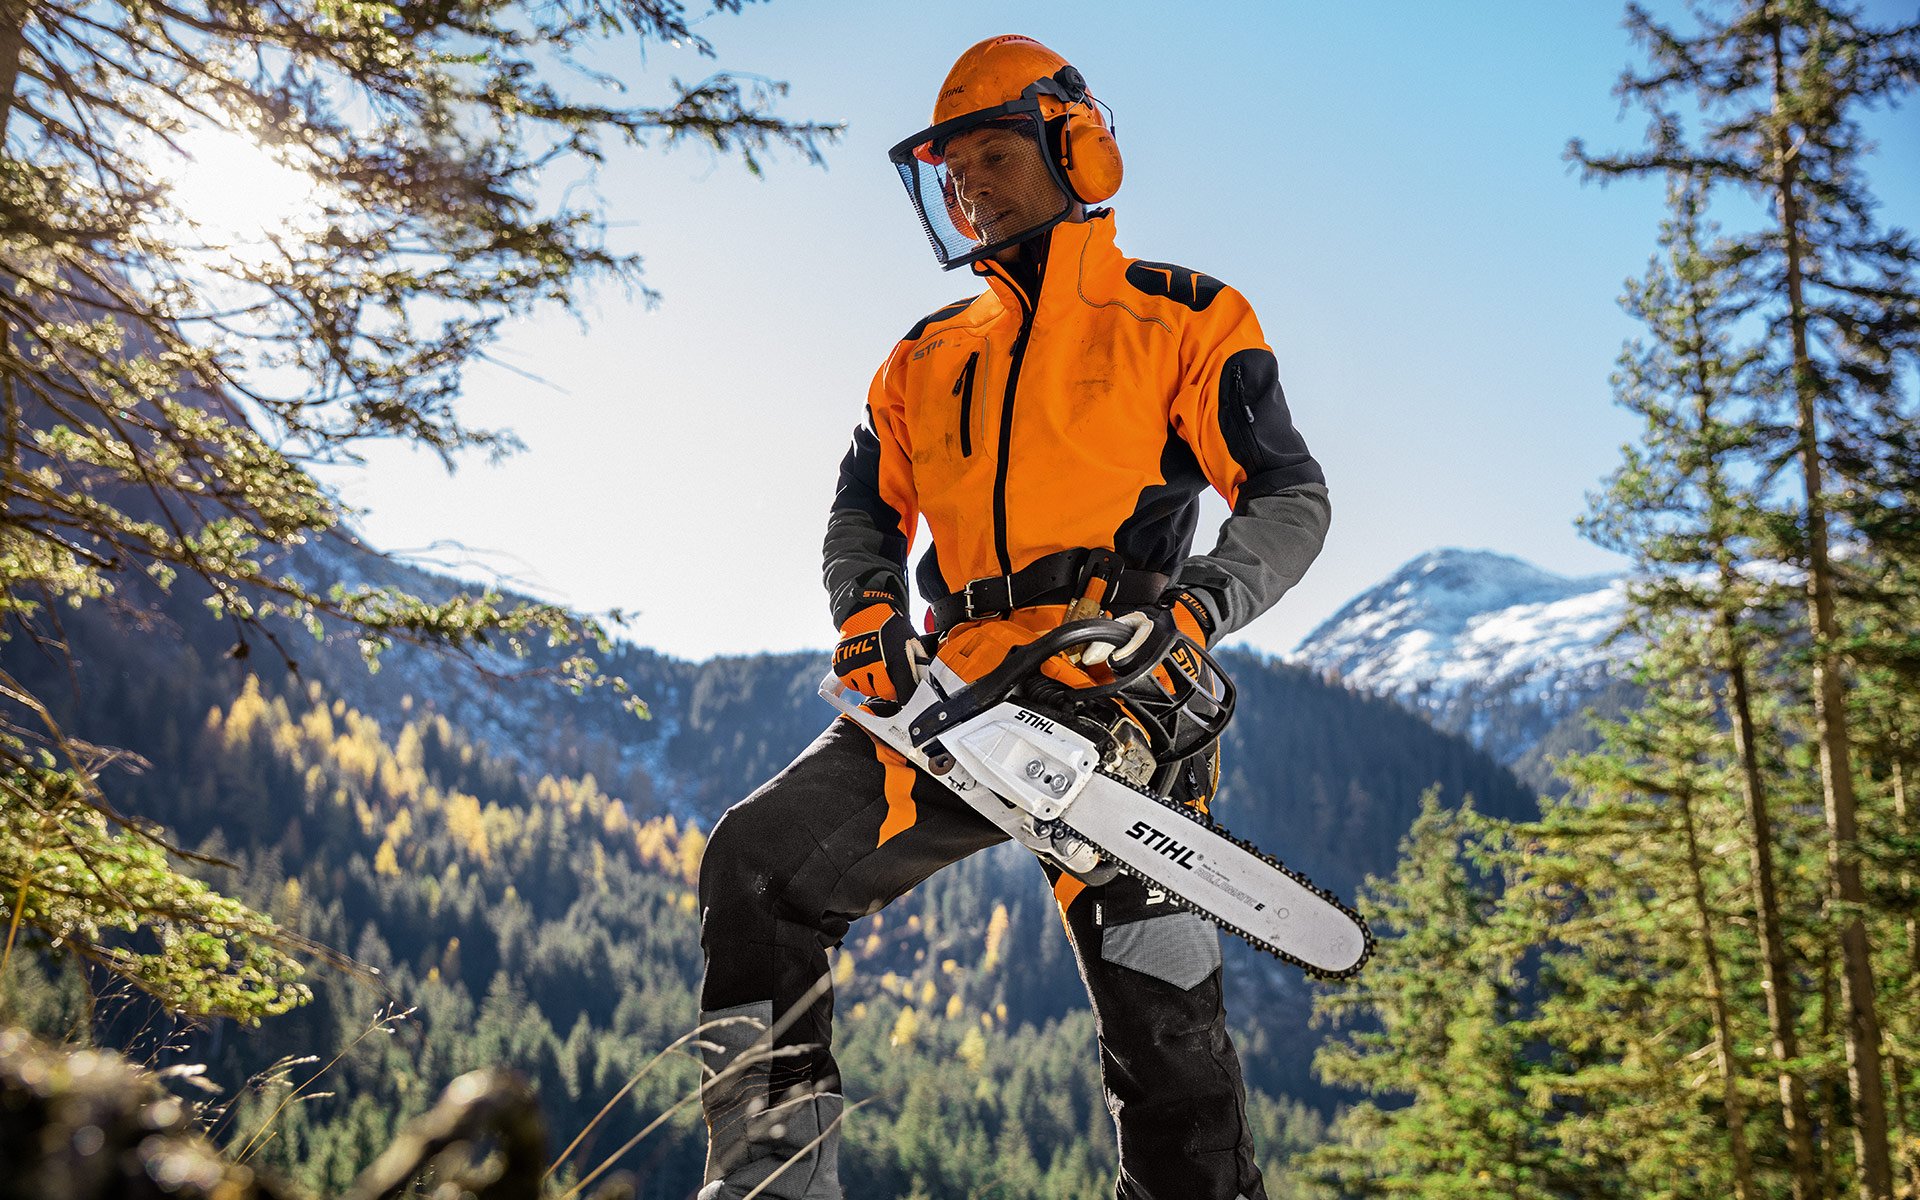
(1005, 229)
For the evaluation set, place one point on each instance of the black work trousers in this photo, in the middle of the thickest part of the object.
(848, 827)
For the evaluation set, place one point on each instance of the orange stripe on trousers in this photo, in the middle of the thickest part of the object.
(901, 812)
(1066, 890)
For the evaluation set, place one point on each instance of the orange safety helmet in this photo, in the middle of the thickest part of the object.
(1000, 70)
(1016, 82)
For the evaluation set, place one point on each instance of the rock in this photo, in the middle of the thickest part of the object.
(85, 1125)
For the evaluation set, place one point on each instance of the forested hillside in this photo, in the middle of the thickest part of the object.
(541, 919)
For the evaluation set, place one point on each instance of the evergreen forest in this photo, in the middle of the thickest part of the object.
(540, 921)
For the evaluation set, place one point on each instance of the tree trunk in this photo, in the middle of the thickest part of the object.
(1904, 818)
(1730, 1099)
(13, 43)
(1796, 1119)
(1898, 1070)
(1864, 1075)
(1773, 945)
(1829, 1097)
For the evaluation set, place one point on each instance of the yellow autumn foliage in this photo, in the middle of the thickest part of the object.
(997, 926)
(614, 820)
(410, 749)
(467, 827)
(973, 1051)
(249, 709)
(317, 726)
(905, 1028)
(693, 847)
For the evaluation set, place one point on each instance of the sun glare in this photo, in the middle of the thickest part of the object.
(236, 197)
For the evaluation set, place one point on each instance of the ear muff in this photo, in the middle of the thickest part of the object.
(1089, 156)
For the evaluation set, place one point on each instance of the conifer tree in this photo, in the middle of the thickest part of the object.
(1447, 992)
(1886, 708)
(1780, 86)
(161, 396)
(1644, 971)
(1678, 508)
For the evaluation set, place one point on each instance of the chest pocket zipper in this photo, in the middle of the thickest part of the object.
(963, 388)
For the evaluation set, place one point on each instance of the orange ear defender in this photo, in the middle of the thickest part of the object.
(1090, 159)
(1084, 145)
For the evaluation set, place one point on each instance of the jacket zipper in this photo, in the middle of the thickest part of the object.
(963, 388)
(1006, 431)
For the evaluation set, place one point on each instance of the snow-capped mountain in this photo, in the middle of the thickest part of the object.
(1483, 643)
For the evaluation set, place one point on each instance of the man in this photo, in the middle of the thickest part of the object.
(1079, 405)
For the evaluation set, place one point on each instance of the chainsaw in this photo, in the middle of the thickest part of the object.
(1079, 776)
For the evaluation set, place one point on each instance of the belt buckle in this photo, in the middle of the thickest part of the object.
(966, 596)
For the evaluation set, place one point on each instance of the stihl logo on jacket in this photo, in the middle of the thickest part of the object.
(1089, 415)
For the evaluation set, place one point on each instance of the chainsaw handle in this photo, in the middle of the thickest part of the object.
(1024, 662)
(833, 690)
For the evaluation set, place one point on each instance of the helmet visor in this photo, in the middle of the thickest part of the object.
(983, 182)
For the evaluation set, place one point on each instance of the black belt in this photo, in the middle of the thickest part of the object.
(1056, 578)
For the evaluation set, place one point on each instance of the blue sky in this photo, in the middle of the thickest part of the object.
(1384, 182)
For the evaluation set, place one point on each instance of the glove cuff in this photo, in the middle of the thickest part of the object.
(1191, 613)
(868, 599)
(876, 589)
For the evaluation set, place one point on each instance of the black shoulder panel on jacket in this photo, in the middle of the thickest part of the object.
(941, 314)
(1178, 284)
(1258, 428)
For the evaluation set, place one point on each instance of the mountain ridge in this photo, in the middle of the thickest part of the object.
(1483, 644)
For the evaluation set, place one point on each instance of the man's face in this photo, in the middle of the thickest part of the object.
(1001, 181)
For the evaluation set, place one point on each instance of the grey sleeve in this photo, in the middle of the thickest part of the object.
(1265, 547)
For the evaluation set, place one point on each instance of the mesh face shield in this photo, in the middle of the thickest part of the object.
(983, 182)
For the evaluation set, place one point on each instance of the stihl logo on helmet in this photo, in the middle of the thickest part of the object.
(1017, 141)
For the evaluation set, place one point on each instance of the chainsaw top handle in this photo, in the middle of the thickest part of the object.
(1024, 662)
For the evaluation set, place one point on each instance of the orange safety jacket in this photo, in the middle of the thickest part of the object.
(1090, 414)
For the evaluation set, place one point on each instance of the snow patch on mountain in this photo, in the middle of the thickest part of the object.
(1484, 643)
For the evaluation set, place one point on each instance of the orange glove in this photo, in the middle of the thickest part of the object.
(878, 655)
(1191, 614)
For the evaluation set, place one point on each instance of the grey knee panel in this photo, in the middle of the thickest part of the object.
(752, 1135)
(1180, 948)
